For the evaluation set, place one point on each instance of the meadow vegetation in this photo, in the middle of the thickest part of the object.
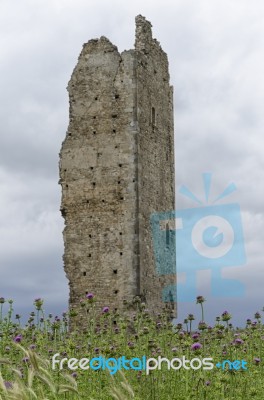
(26, 353)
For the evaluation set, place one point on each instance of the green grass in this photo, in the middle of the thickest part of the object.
(26, 352)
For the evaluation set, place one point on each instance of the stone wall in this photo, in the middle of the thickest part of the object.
(116, 167)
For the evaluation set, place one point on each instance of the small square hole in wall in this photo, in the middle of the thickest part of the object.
(94, 183)
(90, 255)
(96, 98)
(94, 132)
(116, 96)
(84, 273)
(90, 236)
(121, 253)
(115, 271)
(94, 117)
(114, 131)
(120, 165)
(103, 201)
(114, 115)
(120, 233)
(116, 291)
(91, 168)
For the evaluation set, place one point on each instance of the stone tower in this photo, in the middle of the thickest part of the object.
(116, 168)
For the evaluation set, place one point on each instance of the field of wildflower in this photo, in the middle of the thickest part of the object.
(26, 354)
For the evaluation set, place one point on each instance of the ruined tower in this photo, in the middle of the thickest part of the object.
(116, 168)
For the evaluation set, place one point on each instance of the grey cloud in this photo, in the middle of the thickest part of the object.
(216, 62)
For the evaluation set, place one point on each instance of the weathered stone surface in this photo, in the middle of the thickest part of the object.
(116, 168)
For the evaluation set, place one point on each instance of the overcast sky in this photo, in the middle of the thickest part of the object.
(216, 54)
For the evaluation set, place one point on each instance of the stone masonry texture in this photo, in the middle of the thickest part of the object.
(116, 168)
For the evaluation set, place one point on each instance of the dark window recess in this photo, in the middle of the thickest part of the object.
(91, 167)
(121, 198)
(90, 236)
(116, 291)
(94, 183)
(116, 96)
(94, 117)
(120, 165)
(121, 253)
(153, 116)
(116, 147)
(103, 201)
(114, 115)
(90, 255)
(167, 235)
(94, 132)
(133, 180)
(65, 170)
(120, 233)
(67, 186)
(115, 271)
(96, 98)
(114, 131)
(87, 201)
(84, 273)
(119, 182)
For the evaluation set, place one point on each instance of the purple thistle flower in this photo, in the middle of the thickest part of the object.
(200, 299)
(105, 310)
(207, 383)
(238, 341)
(8, 385)
(202, 325)
(257, 360)
(226, 316)
(196, 335)
(196, 346)
(25, 359)
(74, 374)
(18, 338)
(90, 296)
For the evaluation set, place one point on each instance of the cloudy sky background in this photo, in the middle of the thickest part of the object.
(216, 55)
